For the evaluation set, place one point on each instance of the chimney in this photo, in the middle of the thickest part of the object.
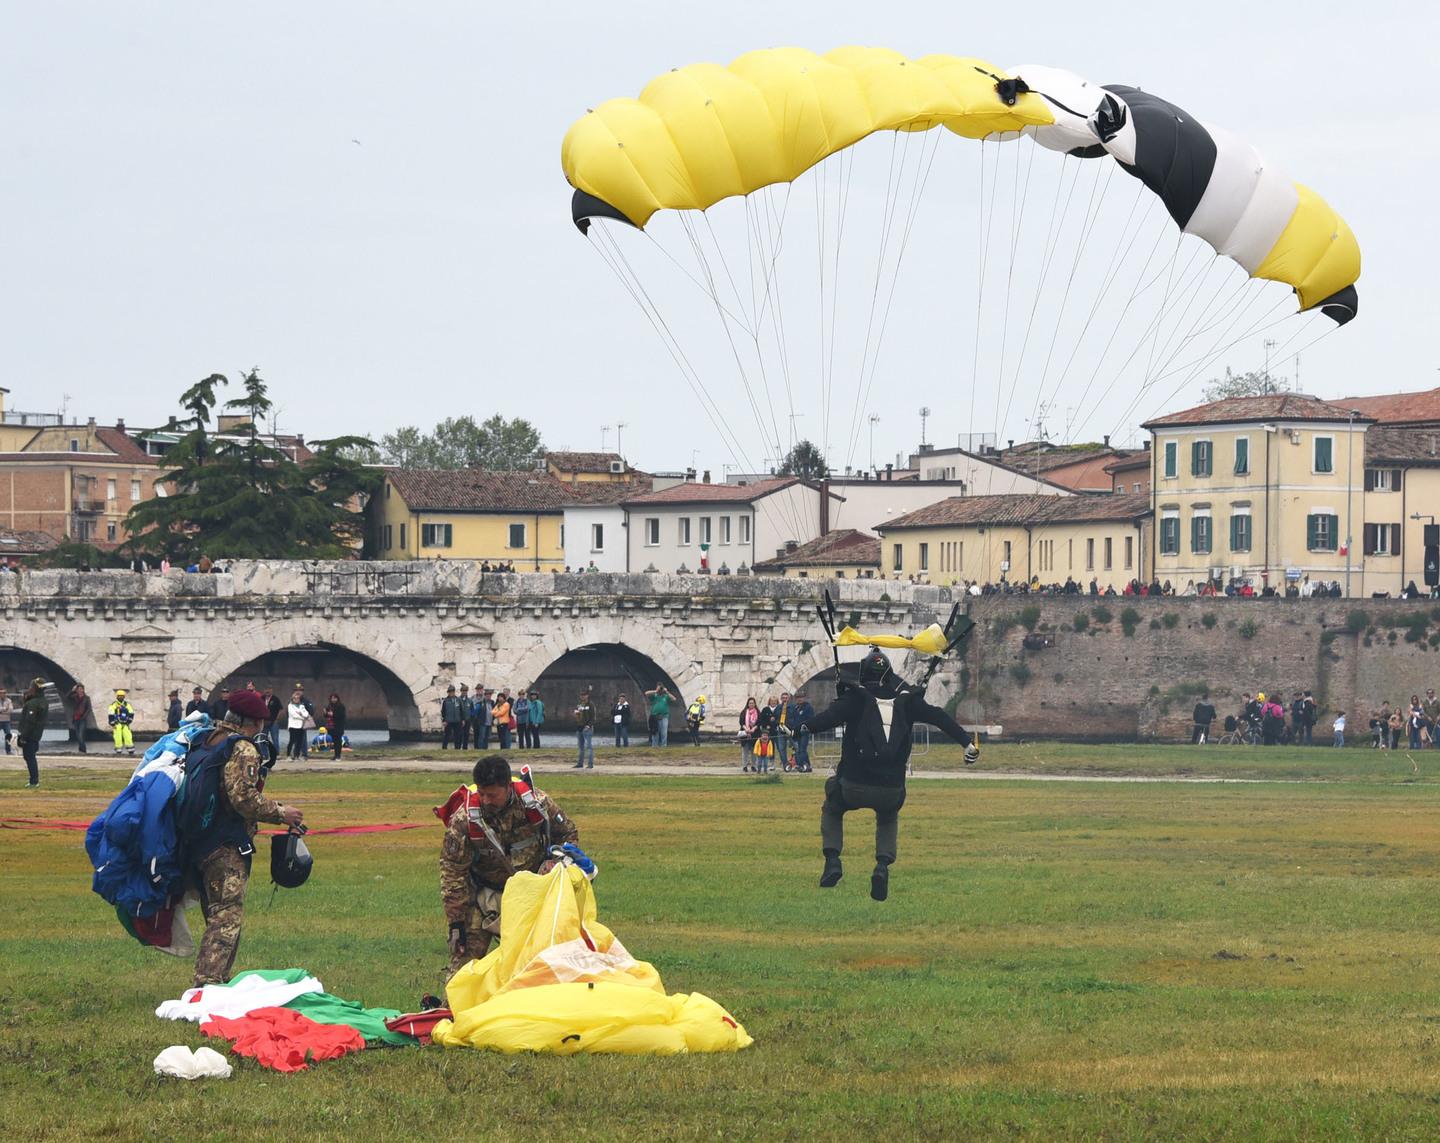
(120, 424)
(1010, 443)
(791, 545)
(690, 475)
(90, 424)
(1107, 440)
(889, 472)
(705, 479)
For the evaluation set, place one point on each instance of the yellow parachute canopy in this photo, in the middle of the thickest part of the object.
(703, 133)
(561, 982)
(931, 641)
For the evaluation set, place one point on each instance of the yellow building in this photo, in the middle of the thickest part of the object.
(503, 517)
(843, 553)
(588, 467)
(1257, 489)
(1021, 538)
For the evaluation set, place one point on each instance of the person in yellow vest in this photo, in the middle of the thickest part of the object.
(121, 714)
(695, 718)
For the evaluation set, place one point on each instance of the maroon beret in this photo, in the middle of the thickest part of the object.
(248, 704)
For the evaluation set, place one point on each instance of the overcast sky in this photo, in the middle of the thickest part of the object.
(365, 200)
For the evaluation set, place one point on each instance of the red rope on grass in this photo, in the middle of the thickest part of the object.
(55, 823)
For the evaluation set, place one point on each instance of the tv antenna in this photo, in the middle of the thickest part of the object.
(620, 427)
(924, 416)
(604, 436)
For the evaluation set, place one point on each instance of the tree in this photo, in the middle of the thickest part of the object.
(806, 461)
(1254, 384)
(497, 444)
(240, 497)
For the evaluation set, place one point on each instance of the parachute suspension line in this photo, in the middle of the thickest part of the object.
(989, 229)
(917, 192)
(1017, 218)
(1052, 236)
(699, 285)
(818, 184)
(776, 304)
(847, 170)
(1109, 278)
(635, 288)
(1087, 227)
(982, 249)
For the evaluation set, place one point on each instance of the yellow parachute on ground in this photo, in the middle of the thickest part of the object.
(561, 982)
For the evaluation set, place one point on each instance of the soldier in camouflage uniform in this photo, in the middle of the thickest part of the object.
(484, 846)
(220, 853)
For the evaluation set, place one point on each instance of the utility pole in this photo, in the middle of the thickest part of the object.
(874, 420)
(1270, 343)
(1349, 493)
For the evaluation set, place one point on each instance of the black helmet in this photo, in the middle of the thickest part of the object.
(290, 860)
(874, 668)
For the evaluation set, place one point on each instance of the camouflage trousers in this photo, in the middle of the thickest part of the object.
(223, 876)
(482, 927)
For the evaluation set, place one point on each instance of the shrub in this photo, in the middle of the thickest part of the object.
(1029, 616)
(1154, 625)
(1208, 620)
(1357, 621)
(884, 597)
(1081, 622)
(1128, 620)
(1248, 629)
(1002, 624)
(1101, 615)
(1171, 620)
(1020, 672)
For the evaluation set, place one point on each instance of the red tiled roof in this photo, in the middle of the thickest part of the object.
(1024, 508)
(586, 462)
(1273, 407)
(1399, 408)
(476, 490)
(1399, 445)
(25, 543)
(693, 493)
(1127, 463)
(1041, 456)
(842, 546)
(123, 445)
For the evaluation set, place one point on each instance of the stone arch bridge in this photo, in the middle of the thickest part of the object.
(416, 627)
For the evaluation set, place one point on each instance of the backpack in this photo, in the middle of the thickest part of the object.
(204, 818)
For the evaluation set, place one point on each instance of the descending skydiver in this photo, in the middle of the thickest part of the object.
(879, 717)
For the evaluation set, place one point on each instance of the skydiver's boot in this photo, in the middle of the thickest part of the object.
(833, 872)
(880, 881)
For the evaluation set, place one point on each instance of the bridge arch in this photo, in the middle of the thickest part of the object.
(399, 677)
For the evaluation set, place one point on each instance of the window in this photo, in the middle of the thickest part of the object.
(562, 537)
(683, 530)
(387, 492)
(1137, 486)
(1242, 456)
(1200, 533)
(1129, 552)
(110, 530)
(924, 557)
(438, 535)
(1240, 532)
(1321, 531)
(110, 489)
(403, 544)
(1382, 539)
(388, 537)
(1382, 480)
(135, 490)
(1172, 462)
(724, 529)
(1201, 458)
(1090, 555)
(899, 556)
(652, 531)
(1007, 556)
(1324, 454)
(744, 529)
(704, 529)
(1109, 553)
(74, 444)
(1170, 534)
(597, 537)
(517, 535)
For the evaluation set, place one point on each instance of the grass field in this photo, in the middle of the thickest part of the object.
(1057, 959)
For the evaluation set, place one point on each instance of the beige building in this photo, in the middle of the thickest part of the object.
(1258, 489)
(986, 539)
(1401, 495)
(843, 553)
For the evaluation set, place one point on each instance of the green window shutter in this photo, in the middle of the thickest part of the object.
(1334, 534)
(1235, 532)
(1323, 456)
(1171, 448)
(1194, 458)
(1310, 529)
(1242, 456)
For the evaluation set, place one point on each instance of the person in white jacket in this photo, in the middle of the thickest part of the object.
(298, 720)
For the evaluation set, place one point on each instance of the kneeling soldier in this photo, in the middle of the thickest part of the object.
(495, 828)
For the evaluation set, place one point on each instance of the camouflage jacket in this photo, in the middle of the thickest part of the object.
(468, 865)
(242, 787)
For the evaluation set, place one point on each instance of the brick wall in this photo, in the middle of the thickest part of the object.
(1101, 683)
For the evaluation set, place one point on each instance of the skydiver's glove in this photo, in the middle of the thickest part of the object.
(456, 940)
(972, 754)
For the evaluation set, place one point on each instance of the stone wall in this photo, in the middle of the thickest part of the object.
(1055, 667)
